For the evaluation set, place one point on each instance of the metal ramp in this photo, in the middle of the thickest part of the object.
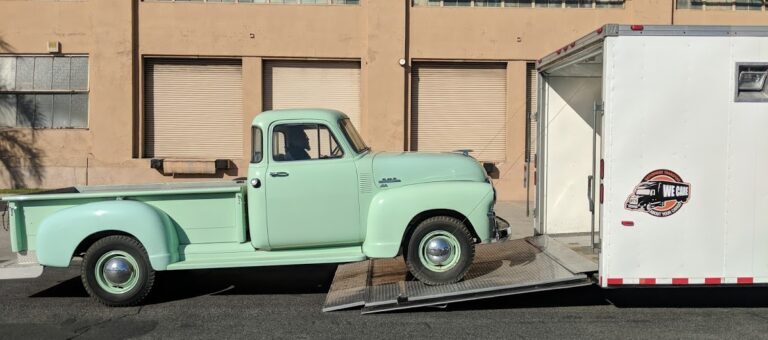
(504, 268)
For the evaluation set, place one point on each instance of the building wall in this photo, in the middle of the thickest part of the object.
(117, 35)
(101, 29)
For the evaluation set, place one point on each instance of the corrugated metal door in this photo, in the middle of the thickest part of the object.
(460, 106)
(313, 84)
(193, 108)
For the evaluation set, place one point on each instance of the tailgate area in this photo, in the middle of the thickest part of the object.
(504, 268)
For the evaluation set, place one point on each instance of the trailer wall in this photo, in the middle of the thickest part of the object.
(669, 104)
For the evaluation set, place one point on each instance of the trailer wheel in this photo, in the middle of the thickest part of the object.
(116, 271)
(440, 251)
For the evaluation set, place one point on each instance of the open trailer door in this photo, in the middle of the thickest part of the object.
(570, 140)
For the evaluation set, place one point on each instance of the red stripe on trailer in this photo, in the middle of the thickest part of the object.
(679, 281)
(745, 280)
(615, 281)
(647, 281)
(712, 280)
(628, 223)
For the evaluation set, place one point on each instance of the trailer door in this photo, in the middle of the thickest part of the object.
(568, 158)
(595, 181)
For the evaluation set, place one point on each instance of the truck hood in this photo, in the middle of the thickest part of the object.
(393, 169)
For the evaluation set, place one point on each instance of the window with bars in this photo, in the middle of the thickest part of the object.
(523, 3)
(44, 92)
(293, 2)
(728, 5)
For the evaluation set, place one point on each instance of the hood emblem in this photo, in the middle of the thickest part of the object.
(383, 183)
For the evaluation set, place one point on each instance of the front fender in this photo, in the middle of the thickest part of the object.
(392, 210)
(61, 233)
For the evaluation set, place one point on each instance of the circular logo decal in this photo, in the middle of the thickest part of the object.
(660, 193)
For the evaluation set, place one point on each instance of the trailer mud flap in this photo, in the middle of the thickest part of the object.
(500, 269)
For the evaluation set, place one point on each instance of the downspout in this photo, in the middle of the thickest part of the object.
(407, 76)
(672, 16)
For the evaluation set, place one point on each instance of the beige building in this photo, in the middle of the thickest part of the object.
(92, 90)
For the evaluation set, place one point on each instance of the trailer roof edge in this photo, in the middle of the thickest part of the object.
(614, 30)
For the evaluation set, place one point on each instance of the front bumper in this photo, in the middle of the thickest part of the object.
(500, 228)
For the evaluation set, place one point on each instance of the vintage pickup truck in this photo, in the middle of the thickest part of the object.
(315, 193)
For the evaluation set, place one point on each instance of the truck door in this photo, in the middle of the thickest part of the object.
(311, 186)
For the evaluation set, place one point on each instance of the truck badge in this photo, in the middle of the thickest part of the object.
(661, 193)
(384, 182)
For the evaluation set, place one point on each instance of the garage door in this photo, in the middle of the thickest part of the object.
(193, 109)
(460, 106)
(313, 84)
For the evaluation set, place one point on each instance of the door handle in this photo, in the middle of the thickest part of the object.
(279, 174)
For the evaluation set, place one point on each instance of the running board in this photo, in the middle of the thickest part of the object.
(500, 269)
(14, 269)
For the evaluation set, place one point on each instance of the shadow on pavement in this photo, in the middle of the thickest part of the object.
(689, 297)
(316, 279)
(673, 297)
(582, 296)
(185, 284)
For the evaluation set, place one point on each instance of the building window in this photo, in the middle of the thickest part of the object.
(727, 5)
(523, 3)
(44, 92)
(290, 2)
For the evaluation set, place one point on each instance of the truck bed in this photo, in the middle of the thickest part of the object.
(201, 212)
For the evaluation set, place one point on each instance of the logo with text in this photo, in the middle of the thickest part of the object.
(660, 193)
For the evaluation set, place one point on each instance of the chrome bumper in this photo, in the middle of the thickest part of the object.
(500, 228)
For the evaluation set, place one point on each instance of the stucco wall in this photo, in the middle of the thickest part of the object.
(101, 29)
(118, 34)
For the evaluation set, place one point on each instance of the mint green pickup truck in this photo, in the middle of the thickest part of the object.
(315, 193)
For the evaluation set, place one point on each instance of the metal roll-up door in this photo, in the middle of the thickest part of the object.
(193, 109)
(460, 106)
(313, 84)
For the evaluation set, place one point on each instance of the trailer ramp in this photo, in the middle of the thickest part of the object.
(503, 268)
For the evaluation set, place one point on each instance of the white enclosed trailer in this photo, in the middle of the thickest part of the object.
(654, 139)
(652, 146)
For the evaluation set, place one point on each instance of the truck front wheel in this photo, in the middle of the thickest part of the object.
(116, 271)
(440, 251)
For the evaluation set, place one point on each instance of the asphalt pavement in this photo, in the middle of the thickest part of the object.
(286, 302)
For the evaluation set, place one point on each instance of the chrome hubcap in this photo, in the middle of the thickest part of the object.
(118, 271)
(438, 250)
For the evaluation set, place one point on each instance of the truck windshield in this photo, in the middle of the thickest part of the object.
(352, 136)
(644, 192)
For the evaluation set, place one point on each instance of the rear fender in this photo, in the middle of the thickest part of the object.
(392, 210)
(61, 233)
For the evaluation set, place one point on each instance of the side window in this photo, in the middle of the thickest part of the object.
(298, 142)
(751, 82)
(257, 151)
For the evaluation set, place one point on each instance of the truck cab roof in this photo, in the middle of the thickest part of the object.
(267, 117)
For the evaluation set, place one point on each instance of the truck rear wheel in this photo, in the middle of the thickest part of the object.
(440, 251)
(116, 271)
